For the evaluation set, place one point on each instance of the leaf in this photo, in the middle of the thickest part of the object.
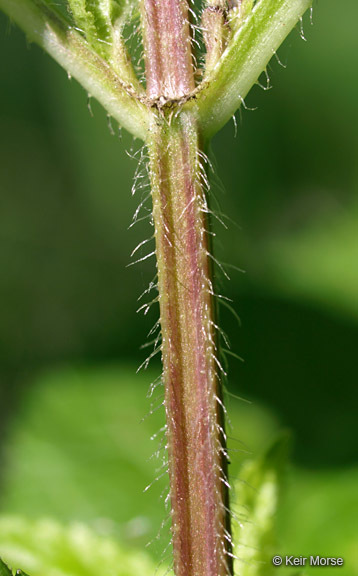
(318, 516)
(257, 497)
(96, 19)
(5, 570)
(80, 448)
(46, 548)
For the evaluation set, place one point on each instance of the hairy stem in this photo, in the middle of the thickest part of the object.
(215, 32)
(253, 43)
(168, 60)
(174, 117)
(195, 429)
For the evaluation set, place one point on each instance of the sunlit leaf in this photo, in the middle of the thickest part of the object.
(256, 503)
(46, 548)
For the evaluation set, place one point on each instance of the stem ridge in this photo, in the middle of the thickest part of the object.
(195, 429)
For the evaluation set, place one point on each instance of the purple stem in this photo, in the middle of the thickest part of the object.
(195, 428)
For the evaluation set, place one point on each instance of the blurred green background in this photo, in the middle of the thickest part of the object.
(72, 445)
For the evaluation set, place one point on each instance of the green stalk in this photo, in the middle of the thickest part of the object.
(216, 32)
(257, 35)
(195, 428)
(47, 28)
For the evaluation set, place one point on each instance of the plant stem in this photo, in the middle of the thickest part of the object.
(195, 428)
(168, 58)
(249, 51)
(215, 32)
(47, 28)
(174, 117)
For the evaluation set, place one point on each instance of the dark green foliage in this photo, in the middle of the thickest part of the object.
(5, 570)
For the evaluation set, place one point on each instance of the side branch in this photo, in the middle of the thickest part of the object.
(250, 49)
(45, 27)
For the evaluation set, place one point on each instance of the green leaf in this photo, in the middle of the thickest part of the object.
(257, 499)
(84, 429)
(95, 22)
(97, 18)
(317, 517)
(46, 548)
(81, 430)
(5, 570)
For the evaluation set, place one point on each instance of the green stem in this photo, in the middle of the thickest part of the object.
(215, 32)
(256, 34)
(48, 29)
(195, 429)
(249, 51)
